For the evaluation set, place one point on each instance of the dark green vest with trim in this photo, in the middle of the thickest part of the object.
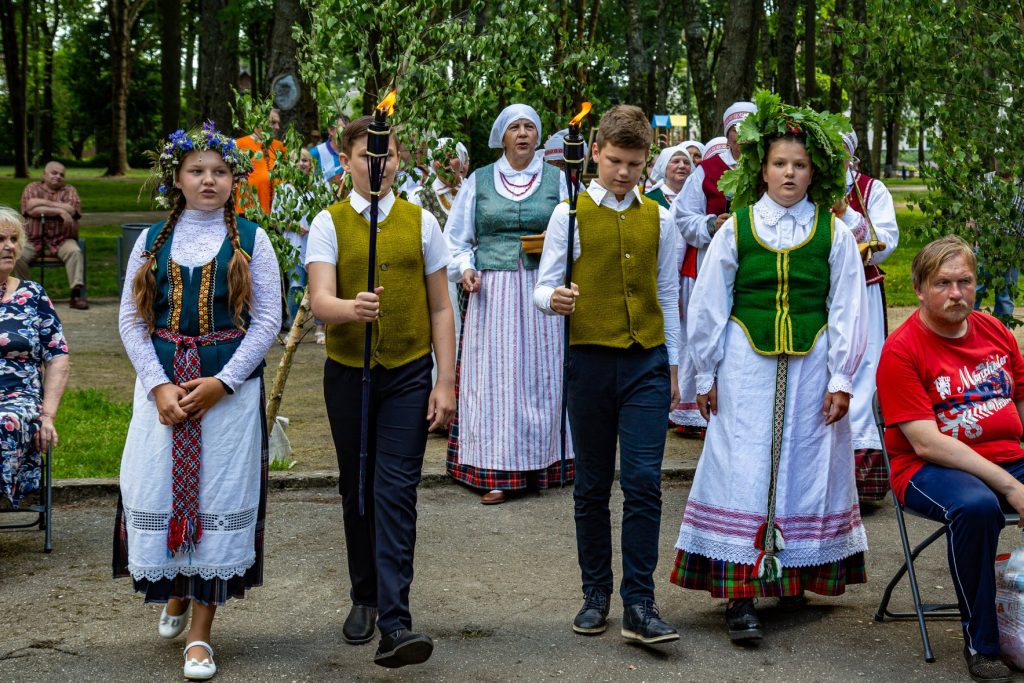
(780, 297)
(401, 333)
(500, 222)
(659, 196)
(617, 273)
(194, 302)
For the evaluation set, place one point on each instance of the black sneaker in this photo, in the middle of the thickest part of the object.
(744, 626)
(643, 623)
(986, 669)
(402, 648)
(593, 616)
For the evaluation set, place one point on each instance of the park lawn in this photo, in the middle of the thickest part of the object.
(73, 174)
(91, 429)
(101, 274)
(97, 195)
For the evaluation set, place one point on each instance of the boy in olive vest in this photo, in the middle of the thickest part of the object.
(411, 314)
(622, 309)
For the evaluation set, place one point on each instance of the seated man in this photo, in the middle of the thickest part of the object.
(52, 210)
(952, 381)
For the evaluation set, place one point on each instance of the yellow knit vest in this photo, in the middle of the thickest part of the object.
(617, 273)
(401, 333)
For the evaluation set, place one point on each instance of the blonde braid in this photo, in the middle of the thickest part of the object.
(144, 282)
(239, 275)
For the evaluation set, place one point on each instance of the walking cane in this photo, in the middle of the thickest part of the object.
(378, 142)
(573, 152)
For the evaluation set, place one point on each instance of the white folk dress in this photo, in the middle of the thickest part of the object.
(232, 431)
(816, 507)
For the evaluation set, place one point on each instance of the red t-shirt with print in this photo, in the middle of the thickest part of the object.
(968, 386)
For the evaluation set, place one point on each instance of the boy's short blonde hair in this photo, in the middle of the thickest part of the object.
(934, 254)
(625, 126)
(11, 219)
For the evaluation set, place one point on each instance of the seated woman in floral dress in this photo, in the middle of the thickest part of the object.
(31, 339)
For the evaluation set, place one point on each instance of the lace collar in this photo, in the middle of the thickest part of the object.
(769, 213)
(197, 217)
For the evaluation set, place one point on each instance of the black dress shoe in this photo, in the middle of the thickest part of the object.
(402, 648)
(643, 623)
(986, 669)
(744, 626)
(359, 625)
(793, 603)
(593, 617)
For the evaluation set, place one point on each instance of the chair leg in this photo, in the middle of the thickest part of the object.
(48, 505)
(929, 656)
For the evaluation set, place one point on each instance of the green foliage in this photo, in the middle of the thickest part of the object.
(91, 430)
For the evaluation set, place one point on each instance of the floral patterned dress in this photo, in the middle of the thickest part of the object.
(30, 335)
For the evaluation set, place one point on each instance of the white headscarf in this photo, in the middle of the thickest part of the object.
(687, 144)
(460, 150)
(554, 148)
(736, 112)
(850, 141)
(715, 146)
(661, 163)
(508, 116)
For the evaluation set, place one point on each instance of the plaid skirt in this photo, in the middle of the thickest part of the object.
(737, 581)
(485, 479)
(215, 591)
(872, 477)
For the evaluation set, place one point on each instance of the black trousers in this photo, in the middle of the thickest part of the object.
(381, 542)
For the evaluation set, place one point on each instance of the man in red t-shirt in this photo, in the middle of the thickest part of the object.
(951, 386)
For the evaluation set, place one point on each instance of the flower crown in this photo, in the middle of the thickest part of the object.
(822, 136)
(180, 143)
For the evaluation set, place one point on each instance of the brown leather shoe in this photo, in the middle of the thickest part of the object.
(493, 498)
(79, 303)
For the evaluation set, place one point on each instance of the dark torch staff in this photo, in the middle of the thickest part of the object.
(378, 142)
(573, 153)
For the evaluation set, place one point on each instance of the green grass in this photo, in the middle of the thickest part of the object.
(73, 174)
(97, 195)
(100, 264)
(91, 429)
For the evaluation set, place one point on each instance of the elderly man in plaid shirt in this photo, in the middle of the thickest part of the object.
(52, 209)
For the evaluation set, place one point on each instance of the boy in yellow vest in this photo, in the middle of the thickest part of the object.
(623, 315)
(411, 314)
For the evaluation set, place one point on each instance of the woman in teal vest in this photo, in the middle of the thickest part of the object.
(201, 307)
(505, 435)
(776, 330)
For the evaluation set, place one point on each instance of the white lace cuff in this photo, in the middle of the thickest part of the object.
(704, 384)
(841, 383)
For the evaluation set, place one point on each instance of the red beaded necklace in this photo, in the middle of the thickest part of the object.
(517, 189)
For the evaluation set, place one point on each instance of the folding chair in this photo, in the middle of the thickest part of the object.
(922, 610)
(43, 509)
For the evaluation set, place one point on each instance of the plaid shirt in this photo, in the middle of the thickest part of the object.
(56, 231)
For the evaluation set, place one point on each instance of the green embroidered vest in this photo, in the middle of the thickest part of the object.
(617, 273)
(780, 296)
(500, 222)
(401, 333)
(195, 302)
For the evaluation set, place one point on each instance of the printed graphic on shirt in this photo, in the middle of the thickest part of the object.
(981, 393)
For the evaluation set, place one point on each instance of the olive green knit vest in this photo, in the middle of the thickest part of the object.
(401, 333)
(617, 273)
(780, 296)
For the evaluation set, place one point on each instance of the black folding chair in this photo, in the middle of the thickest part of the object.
(43, 510)
(922, 610)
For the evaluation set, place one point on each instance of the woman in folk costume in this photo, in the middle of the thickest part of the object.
(671, 169)
(777, 328)
(505, 435)
(872, 218)
(200, 308)
(695, 150)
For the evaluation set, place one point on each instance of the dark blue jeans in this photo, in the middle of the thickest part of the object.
(974, 516)
(618, 395)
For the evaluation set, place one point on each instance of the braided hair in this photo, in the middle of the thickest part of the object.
(144, 282)
(239, 275)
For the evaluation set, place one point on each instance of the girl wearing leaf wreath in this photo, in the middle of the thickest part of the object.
(200, 309)
(777, 328)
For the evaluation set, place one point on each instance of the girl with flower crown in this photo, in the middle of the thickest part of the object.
(776, 329)
(200, 309)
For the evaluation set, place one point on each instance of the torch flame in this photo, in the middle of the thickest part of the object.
(388, 103)
(584, 110)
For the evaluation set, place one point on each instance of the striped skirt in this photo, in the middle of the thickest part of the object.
(505, 434)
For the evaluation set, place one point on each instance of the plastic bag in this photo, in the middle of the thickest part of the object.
(1010, 604)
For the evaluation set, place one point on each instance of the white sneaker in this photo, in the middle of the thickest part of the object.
(172, 626)
(199, 670)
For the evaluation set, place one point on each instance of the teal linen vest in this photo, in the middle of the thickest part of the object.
(500, 222)
(197, 303)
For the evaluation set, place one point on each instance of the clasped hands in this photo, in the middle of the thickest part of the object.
(189, 401)
(833, 408)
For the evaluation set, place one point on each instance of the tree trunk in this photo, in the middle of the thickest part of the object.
(859, 97)
(735, 67)
(785, 55)
(218, 63)
(284, 61)
(920, 140)
(810, 50)
(877, 129)
(696, 58)
(170, 64)
(191, 102)
(835, 88)
(892, 135)
(122, 15)
(639, 66)
(13, 70)
(46, 150)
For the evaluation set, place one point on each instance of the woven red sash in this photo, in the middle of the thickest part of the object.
(872, 274)
(184, 530)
